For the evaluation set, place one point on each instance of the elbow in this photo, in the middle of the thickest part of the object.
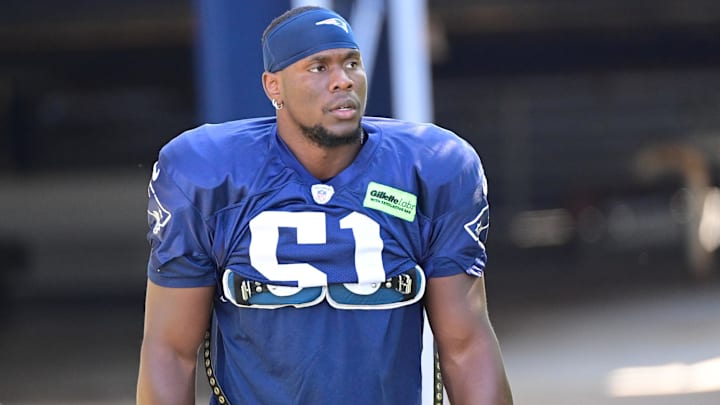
(473, 370)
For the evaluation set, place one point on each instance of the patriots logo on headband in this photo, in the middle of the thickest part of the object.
(336, 22)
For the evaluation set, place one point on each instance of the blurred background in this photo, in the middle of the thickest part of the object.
(598, 123)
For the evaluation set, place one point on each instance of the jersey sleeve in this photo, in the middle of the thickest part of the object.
(460, 217)
(179, 237)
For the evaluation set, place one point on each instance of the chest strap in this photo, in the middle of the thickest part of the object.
(397, 291)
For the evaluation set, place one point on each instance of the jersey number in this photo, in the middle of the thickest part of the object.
(311, 229)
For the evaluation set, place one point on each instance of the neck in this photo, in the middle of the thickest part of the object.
(323, 162)
(326, 165)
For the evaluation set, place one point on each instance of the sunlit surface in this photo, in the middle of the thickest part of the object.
(666, 379)
(550, 227)
(709, 229)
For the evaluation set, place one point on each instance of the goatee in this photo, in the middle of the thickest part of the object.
(321, 136)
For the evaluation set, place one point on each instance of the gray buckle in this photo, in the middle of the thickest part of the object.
(245, 290)
(404, 284)
(248, 288)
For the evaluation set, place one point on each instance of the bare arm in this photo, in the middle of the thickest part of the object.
(470, 357)
(175, 322)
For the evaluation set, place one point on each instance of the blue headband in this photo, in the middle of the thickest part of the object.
(303, 35)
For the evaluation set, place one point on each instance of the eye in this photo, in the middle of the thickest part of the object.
(353, 64)
(317, 68)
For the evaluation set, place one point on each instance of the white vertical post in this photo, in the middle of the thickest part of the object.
(366, 20)
(410, 70)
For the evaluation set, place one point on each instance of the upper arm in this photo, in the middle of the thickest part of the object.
(177, 318)
(457, 310)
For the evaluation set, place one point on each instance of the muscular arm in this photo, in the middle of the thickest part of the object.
(470, 357)
(175, 322)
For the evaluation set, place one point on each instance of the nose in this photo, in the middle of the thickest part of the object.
(341, 79)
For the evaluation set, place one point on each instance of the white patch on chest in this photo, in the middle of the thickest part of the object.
(322, 193)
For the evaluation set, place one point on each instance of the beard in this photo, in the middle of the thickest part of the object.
(321, 136)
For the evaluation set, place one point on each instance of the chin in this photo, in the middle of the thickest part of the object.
(344, 129)
(334, 136)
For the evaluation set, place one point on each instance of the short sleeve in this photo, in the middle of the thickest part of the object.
(460, 220)
(179, 237)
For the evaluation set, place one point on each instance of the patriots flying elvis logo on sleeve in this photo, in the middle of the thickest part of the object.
(159, 214)
(478, 227)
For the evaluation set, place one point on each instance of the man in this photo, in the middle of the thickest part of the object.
(310, 242)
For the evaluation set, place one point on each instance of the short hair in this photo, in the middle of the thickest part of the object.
(284, 16)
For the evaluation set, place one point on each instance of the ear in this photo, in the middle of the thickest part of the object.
(271, 85)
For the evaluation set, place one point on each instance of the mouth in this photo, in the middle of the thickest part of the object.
(344, 109)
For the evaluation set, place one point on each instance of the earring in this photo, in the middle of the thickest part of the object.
(278, 106)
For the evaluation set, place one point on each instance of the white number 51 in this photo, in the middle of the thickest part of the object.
(311, 229)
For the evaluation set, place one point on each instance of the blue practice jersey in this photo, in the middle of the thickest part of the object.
(319, 283)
